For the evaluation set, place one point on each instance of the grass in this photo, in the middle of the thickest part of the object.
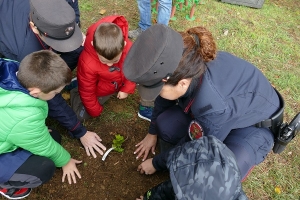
(270, 39)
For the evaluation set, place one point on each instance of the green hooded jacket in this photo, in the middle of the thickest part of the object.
(22, 125)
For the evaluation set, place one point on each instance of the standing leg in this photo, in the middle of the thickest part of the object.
(145, 13)
(164, 12)
(144, 7)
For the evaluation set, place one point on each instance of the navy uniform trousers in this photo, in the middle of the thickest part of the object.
(250, 145)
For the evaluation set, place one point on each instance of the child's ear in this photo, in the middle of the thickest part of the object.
(33, 28)
(34, 92)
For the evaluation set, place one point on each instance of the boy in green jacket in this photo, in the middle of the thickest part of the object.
(29, 151)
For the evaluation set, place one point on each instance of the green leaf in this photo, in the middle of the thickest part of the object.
(117, 143)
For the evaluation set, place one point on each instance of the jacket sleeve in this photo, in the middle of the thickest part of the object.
(63, 113)
(128, 86)
(31, 134)
(159, 161)
(87, 87)
(160, 105)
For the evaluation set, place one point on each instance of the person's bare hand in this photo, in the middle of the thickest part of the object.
(91, 142)
(140, 198)
(146, 145)
(146, 167)
(122, 95)
(70, 171)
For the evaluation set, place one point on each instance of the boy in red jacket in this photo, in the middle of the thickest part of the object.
(99, 70)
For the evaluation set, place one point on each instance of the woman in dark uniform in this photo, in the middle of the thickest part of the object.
(200, 91)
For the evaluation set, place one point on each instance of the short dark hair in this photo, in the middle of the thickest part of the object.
(44, 70)
(108, 40)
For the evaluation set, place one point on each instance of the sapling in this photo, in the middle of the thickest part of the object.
(117, 145)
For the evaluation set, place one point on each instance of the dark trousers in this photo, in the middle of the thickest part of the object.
(250, 145)
(78, 107)
(35, 171)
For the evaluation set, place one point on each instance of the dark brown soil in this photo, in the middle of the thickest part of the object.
(117, 176)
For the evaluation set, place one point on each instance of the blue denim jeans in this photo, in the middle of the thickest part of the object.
(163, 16)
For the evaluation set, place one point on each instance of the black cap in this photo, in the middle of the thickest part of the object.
(153, 56)
(56, 21)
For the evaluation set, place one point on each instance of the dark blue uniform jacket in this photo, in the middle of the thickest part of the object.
(16, 37)
(17, 40)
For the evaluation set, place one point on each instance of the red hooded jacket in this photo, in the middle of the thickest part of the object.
(94, 78)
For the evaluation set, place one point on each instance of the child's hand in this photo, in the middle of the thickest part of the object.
(92, 142)
(122, 95)
(141, 198)
(70, 170)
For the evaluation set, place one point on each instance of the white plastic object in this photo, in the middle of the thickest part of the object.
(107, 152)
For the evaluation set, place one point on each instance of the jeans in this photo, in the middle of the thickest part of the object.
(163, 16)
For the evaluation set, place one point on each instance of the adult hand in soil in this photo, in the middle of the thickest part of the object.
(146, 167)
(144, 146)
(70, 170)
(91, 141)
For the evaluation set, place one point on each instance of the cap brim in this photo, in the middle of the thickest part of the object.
(67, 45)
(149, 94)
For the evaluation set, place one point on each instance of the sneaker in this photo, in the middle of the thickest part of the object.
(135, 33)
(145, 112)
(15, 193)
(72, 85)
